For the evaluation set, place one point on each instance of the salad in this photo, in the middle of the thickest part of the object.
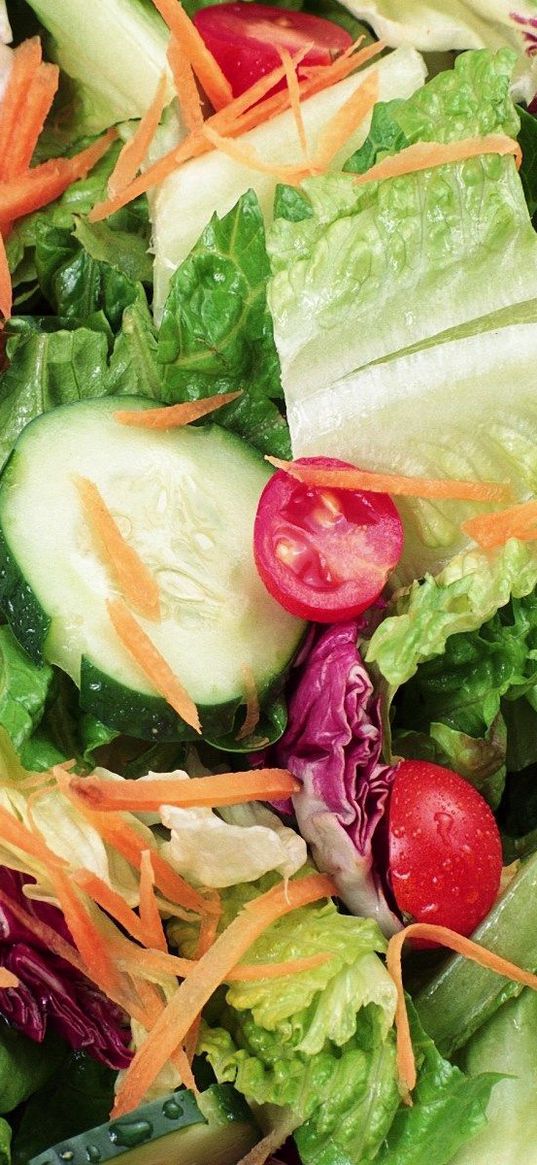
(268, 579)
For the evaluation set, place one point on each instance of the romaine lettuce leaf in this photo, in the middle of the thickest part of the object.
(216, 332)
(115, 50)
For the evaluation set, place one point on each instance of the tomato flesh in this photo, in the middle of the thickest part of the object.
(324, 554)
(244, 39)
(445, 847)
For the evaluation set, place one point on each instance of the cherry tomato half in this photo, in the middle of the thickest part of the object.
(445, 847)
(244, 39)
(324, 554)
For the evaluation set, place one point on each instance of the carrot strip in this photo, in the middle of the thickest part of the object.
(251, 972)
(149, 911)
(244, 113)
(111, 901)
(134, 151)
(340, 127)
(88, 939)
(207, 936)
(208, 72)
(173, 416)
(197, 792)
(247, 156)
(141, 648)
(415, 487)
(180, 1013)
(15, 833)
(161, 963)
(7, 978)
(185, 85)
(293, 89)
(26, 61)
(491, 530)
(134, 579)
(153, 1006)
(251, 719)
(406, 1064)
(44, 183)
(6, 289)
(283, 1127)
(32, 116)
(426, 155)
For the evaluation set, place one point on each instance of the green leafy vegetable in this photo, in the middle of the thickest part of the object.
(78, 1097)
(75, 283)
(216, 332)
(528, 170)
(25, 1065)
(5, 1142)
(448, 1109)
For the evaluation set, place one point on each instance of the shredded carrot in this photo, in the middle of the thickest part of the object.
(490, 530)
(220, 789)
(244, 113)
(87, 937)
(134, 151)
(208, 72)
(293, 89)
(344, 122)
(194, 992)
(6, 290)
(247, 156)
(133, 577)
(185, 85)
(391, 483)
(36, 106)
(37, 187)
(25, 64)
(111, 901)
(426, 155)
(149, 911)
(406, 1064)
(251, 719)
(282, 1128)
(7, 978)
(151, 963)
(15, 833)
(159, 963)
(172, 416)
(251, 972)
(141, 648)
(206, 938)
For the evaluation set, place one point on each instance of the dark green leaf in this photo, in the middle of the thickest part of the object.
(75, 284)
(291, 204)
(331, 10)
(448, 1109)
(25, 1065)
(134, 369)
(120, 248)
(385, 137)
(216, 334)
(78, 1098)
(24, 688)
(528, 170)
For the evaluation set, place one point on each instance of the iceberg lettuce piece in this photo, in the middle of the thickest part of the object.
(443, 25)
(115, 50)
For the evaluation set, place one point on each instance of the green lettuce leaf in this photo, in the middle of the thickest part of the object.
(448, 1109)
(25, 1065)
(377, 293)
(78, 1097)
(506, 1045)
(216, 332)
(24, 688)
(5, 1142)
(74, 282)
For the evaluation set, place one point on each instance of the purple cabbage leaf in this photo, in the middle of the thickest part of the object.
(50, 991)
(333, 744)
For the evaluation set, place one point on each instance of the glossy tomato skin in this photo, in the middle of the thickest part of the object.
(244, 39)
(324, 554)
(445, 847)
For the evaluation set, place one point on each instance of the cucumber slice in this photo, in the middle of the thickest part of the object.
(178, 1129)
(185, 500)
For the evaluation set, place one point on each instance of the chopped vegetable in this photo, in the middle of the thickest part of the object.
(185, 85)
(111, 901)
(135, 581)
(173, 416)
(427, 155)
(324, 553)
(149, 911)
(152, 663)
(221, 789)
(490, 530)
(179, 1015)
(41, 185)
(208, 72)
(463, 946)
(421, 487)
(337, 132)
(134, 152)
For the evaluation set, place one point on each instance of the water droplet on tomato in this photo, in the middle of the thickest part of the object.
(444, 825)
